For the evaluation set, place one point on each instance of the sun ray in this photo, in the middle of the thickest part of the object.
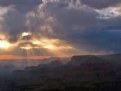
(36, 44)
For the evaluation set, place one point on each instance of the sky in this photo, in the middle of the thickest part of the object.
(45, 28)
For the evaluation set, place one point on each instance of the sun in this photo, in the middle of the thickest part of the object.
(26, 34)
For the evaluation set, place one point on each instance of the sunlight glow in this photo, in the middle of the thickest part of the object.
(50, 46)
(5, 44)
(27, 47)
(28, 41)
(26, 34)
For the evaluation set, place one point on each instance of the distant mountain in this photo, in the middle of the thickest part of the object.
(78, 60)
(56, 63)
(82, 72)
(113, 57)
(7, 68)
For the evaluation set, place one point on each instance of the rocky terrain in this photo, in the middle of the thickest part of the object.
(81, 73)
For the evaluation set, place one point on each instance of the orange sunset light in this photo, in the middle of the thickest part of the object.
(6, 57)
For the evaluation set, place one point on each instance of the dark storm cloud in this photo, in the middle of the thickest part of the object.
(95, 41)
(15, 18)
(10, 2)
(73, 21)
(21, 5)
(81, 27)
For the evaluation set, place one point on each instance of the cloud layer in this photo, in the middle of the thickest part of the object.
(91, 26)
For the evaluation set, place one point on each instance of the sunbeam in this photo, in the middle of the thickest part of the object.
(44, 46)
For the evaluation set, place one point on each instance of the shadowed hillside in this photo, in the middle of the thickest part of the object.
(81, 73)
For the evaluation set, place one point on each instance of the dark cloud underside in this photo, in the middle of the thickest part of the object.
(80, 23)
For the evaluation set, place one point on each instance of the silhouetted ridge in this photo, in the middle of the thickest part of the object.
(77, 60)
(79, 74)
(112, 57)
(56, 63)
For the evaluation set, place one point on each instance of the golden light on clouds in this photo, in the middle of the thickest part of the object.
(4, 43)
(29, 42)
(26, 34)
(27, 47)
(7, 57)
(55, 44)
